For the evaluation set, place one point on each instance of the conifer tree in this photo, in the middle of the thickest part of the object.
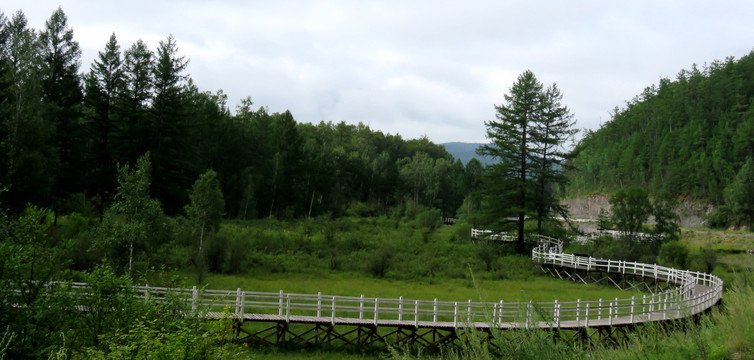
(26, 152)
(172, 144)
(104, 87)
(527, 140)
(552, 129)
(134, 115)
(62, 96)
(510, 179)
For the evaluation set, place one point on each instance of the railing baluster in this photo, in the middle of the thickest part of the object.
(416, 313)
(455, 315)
(280, 304)
(361, 307)
(434, 311)
(400, 308)
(319, 304)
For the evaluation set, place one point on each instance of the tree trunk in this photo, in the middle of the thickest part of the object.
(201, 239)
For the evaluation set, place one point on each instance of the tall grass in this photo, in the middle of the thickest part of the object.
(726, 332)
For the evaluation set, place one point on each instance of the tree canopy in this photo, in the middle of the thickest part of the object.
(527, 140)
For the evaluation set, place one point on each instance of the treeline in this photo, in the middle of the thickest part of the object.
(63, 135)
(688, 137)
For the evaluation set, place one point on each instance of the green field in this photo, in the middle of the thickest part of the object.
(539, 288)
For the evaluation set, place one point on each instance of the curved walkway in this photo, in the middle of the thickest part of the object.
(690, 293)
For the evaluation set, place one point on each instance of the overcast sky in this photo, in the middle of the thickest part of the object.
(416, 68)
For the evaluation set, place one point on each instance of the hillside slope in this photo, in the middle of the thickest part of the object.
(687, 137)
(466, 152)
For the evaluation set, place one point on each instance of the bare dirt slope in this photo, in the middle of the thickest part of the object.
(692, 213)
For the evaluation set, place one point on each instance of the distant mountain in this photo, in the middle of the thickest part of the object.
(466, 151)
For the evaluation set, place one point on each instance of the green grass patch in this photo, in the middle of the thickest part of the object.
(537, 288)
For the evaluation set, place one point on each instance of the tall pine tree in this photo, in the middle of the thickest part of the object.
(510, 179)
(527, 139)
(104, 87)
(27, 152)
(62, 96)
(173, 151)
(132, 135)
(552, 129)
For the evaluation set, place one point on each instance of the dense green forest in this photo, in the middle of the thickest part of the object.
(64, 134)
(688, 137)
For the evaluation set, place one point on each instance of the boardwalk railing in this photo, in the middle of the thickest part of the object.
(583, 239)
(493, 236)
(692, 293)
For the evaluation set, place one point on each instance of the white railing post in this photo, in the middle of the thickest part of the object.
(319, 304)
(243, 305)
(332, 313)
(644, 304)
(400, 308)
(376, 310)
(555, 314)
(194, 298)
(468, 313)
(578, 310)
(616, 308)
(455, 315)
(501, 313)
(416, 313)
(530, 313)
(434, 312)
(586, 316)
(599, 310)
(361, 307)
(610, 317)
(633, 303)
(238, 302)
(280, 304)
(288, 308)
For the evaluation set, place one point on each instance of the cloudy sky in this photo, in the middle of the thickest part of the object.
(433, 68)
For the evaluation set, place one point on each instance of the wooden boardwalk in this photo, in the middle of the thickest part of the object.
(673, 294)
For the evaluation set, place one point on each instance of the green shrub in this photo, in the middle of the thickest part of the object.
(674, 254)
(378, 262)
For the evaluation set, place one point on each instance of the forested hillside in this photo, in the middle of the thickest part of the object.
(64, 134)
(687, 137)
